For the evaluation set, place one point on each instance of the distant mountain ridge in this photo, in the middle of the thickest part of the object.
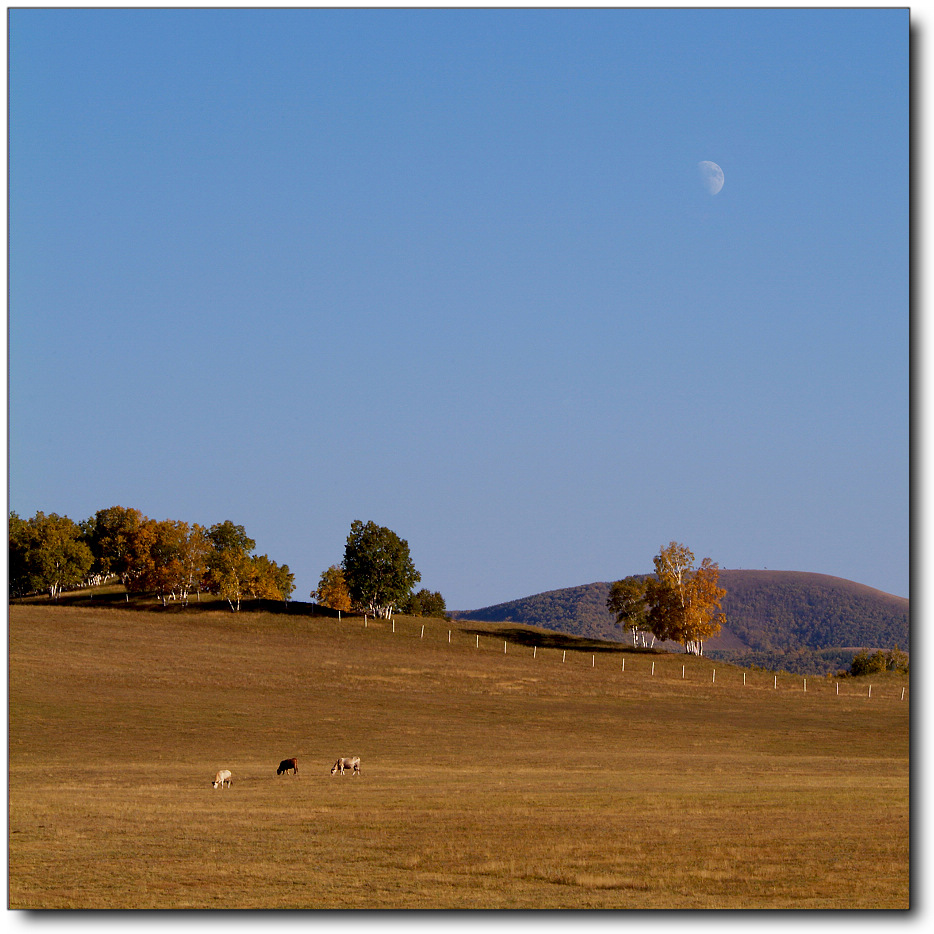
(792, 620)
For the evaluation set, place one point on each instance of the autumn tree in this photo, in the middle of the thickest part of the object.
(195, 560)
(228, 575)
(377, 568)
(47, 553)
(268, 580)
(234, 575)
(229, 568)
(167, 558)
(896, 660)
(684, 601)
(332, 590)
(627, 601)
(159, 558)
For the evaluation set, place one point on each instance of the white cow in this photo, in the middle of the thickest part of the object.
(349, 763)
(222, 776)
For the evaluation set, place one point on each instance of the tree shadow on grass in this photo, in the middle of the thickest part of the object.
(559, 640)
(151, 603)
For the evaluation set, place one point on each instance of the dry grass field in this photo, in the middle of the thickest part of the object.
(491, 779)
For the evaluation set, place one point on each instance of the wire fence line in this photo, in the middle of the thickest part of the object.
(627, 662)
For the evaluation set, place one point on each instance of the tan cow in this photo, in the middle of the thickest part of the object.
(222, 776)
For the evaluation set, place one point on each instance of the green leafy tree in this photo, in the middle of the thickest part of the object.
(377, 567)
(47, 553)
(225, 536)
(684, 601)
(627, 601)
(17, 567)
(332, 590)
(425, 603)
(110, 535)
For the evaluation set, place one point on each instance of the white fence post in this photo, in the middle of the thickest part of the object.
(478, 640)
(563, 656)
(653, 669)
(593, 664)
(744, 679)
(838, 688)
(422, 636)
(903, 694)
(714, 678)
(805, 685)
(682, 672)
(504, 647)
(449, 636)
(393, 625)
(534, 650)
(870, 690)
(775, 685)
(624, 663)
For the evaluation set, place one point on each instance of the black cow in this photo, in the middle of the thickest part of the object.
(286, 764)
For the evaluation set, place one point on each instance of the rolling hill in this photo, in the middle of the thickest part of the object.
(791, 620)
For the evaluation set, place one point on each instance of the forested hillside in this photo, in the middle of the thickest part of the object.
(576, 610)
(796, 621)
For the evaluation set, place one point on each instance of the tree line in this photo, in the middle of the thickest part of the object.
(174, 560)
(168, 558)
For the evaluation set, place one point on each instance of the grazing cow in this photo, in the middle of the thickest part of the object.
(222, 776)
(350, 763)
(286, 764)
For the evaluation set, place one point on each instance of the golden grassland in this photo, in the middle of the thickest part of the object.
(542, 776)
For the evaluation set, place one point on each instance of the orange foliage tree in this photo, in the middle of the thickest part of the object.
(332, 590)
(684, 601)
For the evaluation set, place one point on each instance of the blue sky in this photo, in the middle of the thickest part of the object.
(453, 271)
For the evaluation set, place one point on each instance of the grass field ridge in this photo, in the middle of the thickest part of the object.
(615, 790)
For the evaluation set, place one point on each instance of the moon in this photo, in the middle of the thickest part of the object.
(711, 176)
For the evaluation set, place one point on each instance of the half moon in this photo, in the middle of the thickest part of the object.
(711, 176)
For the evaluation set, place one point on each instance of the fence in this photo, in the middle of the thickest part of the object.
(640, 665)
